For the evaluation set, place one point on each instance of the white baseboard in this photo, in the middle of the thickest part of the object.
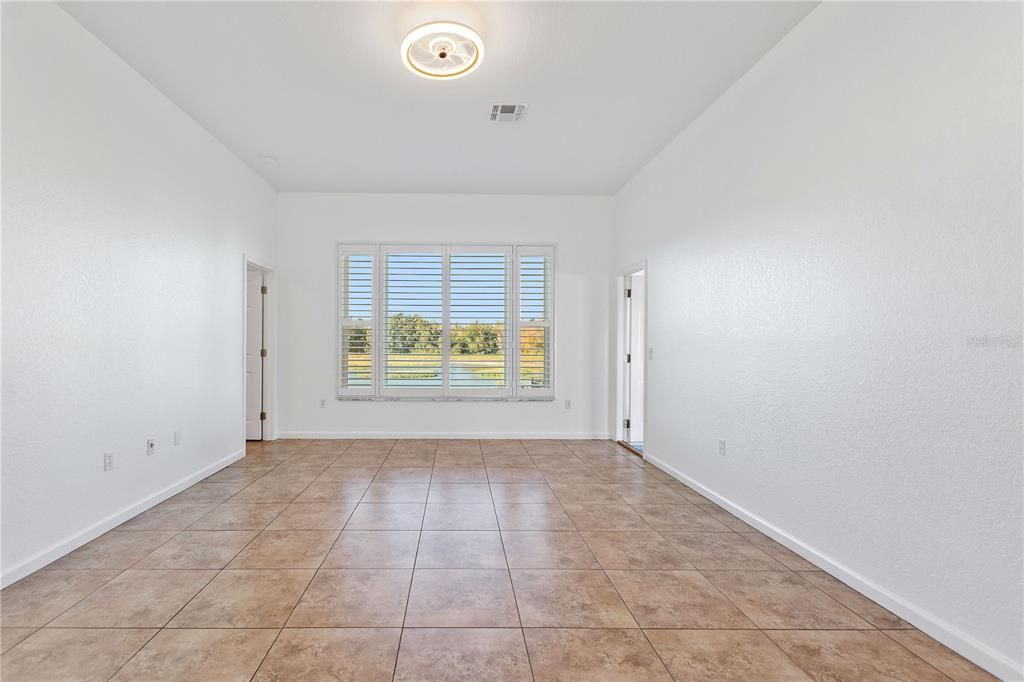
(59, 549)
(329, 435)
(961, 642)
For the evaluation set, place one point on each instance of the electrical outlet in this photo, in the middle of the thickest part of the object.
(568, 404)
(108, 461)
(150, 447)
(323, 404)
(177, 438)
(721, 447)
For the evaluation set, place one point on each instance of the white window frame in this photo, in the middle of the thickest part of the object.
(508, 390)
(384, 391)
(548, 323)
(354, 249)
(511, 391)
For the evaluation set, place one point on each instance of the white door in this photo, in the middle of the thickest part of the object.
(636, 344)
(253, 354)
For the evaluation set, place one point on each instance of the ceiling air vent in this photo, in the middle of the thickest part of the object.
(507, 112)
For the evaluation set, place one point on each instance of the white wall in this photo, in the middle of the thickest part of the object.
(124, 227)
(309, 225)
(823, 244)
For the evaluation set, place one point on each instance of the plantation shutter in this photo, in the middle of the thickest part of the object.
(536, 314)
(356, 320)
(479, 321)
(436, 321)
(413, 320)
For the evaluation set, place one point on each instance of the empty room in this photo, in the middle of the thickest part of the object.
(510, 341)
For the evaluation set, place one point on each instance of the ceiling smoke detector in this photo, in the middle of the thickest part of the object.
(507, 112)
(443, 50)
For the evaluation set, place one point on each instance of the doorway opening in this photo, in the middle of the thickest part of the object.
(256, 352)
(634, 358)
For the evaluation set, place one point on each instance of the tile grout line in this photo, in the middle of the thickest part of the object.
(481, 627)
(161, 629)
(84, 597)
(189, 601)
(589, 466)
(713, 586)
(757, 628)
(175, 533)
(626, 605)
(703, 573)
(308, 583)
(486, 627)
(913, 653)
(412, 573)
(205, 585)
(164, 626)
(260, 531)
(512, 584)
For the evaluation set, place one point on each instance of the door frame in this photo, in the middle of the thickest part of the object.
(269, 342)
(620, 346)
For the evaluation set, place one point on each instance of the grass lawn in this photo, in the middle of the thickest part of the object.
(473, 369)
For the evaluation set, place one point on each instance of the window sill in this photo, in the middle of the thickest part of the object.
(443, 399)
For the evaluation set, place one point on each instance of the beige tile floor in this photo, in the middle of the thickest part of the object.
(454, 560)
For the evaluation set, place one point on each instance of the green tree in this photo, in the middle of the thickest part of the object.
(413, 334)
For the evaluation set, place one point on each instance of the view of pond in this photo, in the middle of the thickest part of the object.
(424, 370)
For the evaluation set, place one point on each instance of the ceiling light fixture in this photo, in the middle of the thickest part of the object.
(442, 50)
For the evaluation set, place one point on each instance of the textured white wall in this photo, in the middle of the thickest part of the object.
(309, 225)
(124, 227)
(823, 245)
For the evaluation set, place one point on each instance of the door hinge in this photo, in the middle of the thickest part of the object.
(625, 423)
(629, 358)
(263, 352)
(263, 416)
(263, 289)
(629, 293)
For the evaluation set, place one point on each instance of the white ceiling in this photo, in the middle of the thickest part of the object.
(321, 86)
